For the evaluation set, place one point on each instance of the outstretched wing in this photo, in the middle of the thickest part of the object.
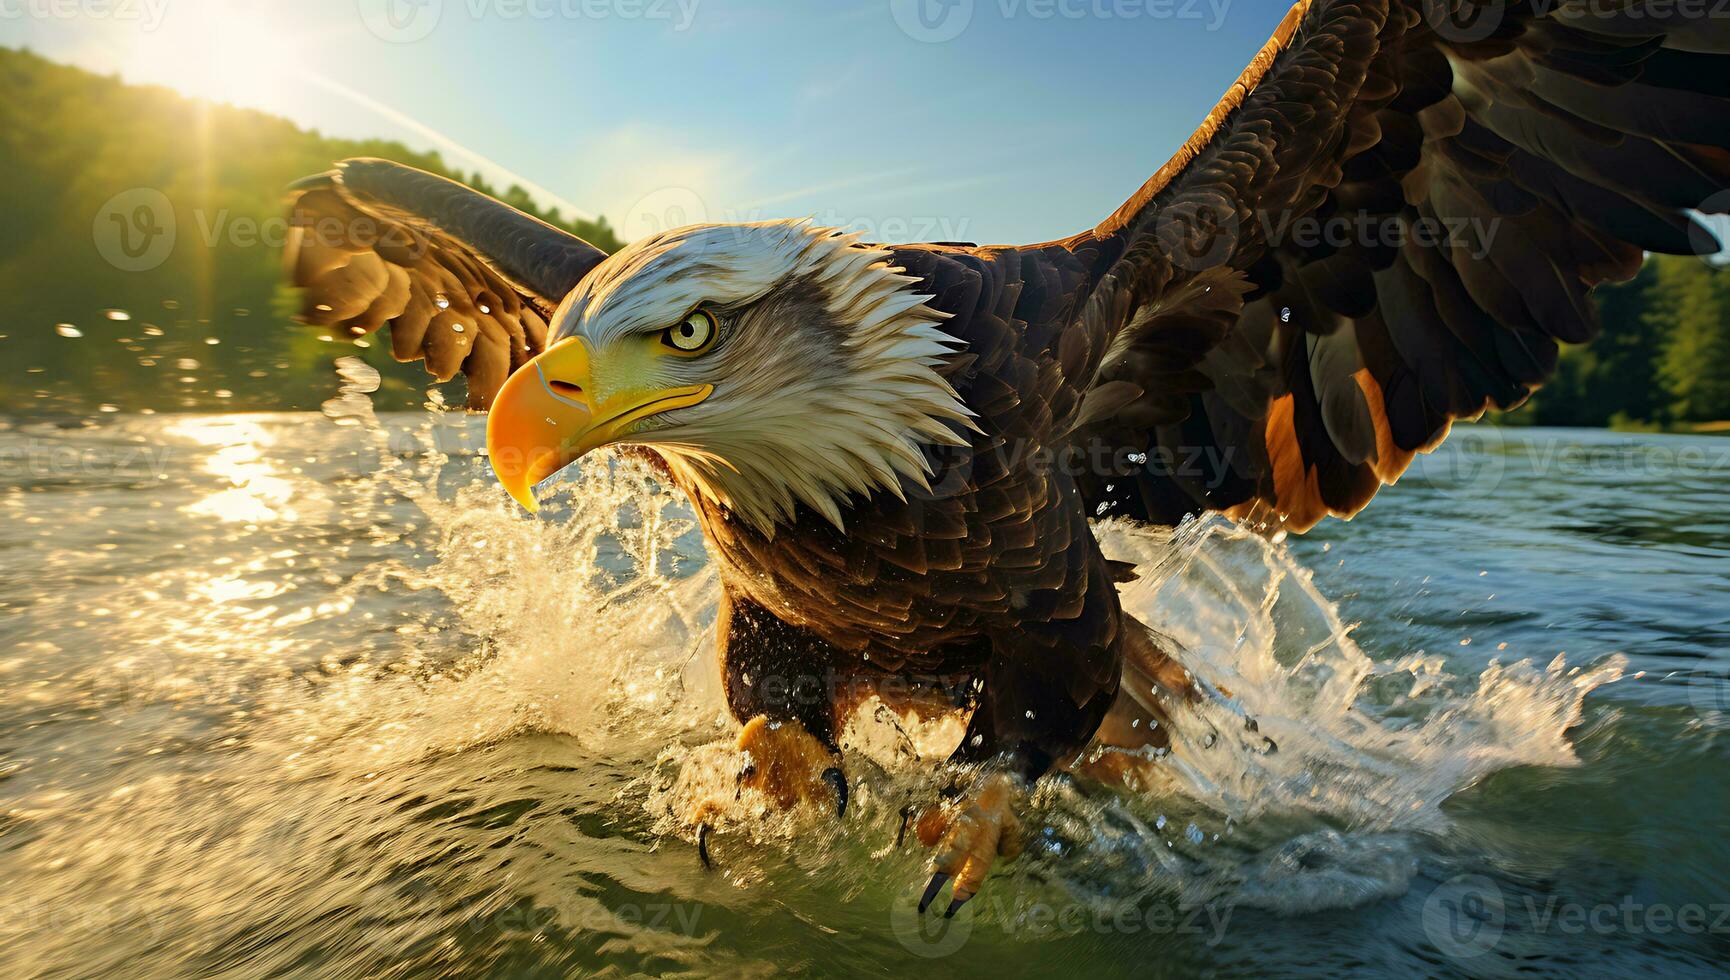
(1389, 223)
(465, 282)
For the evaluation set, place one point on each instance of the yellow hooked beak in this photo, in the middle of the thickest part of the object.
(546, 416)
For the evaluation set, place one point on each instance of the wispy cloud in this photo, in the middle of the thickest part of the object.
(829, 186)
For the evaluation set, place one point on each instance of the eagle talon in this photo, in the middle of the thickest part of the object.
(703, 846)
(938, 880)
(837, 781)
(970, 835)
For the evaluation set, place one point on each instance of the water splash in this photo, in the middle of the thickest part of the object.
(1300, 784)
(378, 661)
(1376, 743)
(1322, 751)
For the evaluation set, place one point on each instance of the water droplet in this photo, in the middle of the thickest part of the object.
(223, 393)
(150, 330)
(459, 328)
(110, 409)
(442, 301)
(211, 341)
(186, 364)
(171, 304)
(67, 330)
(485, 308)
(117, 314)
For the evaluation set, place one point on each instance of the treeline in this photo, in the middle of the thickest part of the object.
(89, 315)
(1662, 361)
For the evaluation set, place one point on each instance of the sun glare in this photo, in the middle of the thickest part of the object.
(224, 53)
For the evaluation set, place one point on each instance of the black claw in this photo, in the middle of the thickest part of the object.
(703, 846)
(906, 815)
(838, 783)
(931, 890)
(955, 906)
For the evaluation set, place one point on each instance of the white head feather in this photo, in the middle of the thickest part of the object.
(825, 374)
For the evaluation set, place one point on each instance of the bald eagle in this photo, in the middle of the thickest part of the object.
(1389, 222)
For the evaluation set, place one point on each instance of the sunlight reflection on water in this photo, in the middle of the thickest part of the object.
(314, 698)
(256, 494)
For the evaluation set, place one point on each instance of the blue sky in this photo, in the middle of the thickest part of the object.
(982, 120)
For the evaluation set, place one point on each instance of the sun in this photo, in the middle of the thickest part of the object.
(223, 50)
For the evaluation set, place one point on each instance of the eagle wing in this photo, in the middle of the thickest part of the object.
(1388, 223)
(465, 282)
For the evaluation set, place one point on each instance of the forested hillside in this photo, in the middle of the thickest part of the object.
(169, 212)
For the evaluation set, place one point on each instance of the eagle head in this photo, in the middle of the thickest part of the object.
(771, 364)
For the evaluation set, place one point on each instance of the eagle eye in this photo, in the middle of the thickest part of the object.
(692, 335)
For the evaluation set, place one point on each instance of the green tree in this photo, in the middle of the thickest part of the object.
(1690, 302)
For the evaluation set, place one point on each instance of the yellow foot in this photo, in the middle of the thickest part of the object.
(786, 763)
(783, 762)
(970, 834)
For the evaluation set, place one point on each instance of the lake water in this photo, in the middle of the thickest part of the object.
(283, 697)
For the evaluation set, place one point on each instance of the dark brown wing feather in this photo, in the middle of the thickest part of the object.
(465, 282)
(1482, 164)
